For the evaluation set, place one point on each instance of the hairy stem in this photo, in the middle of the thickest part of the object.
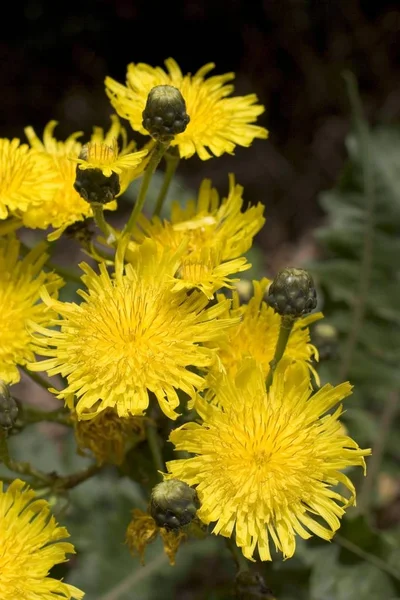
(46, 385)
(241, 562)
(98, 214)
(159, 150)
(286, 327)
(154, 445)
(172, 161)
(364, 144)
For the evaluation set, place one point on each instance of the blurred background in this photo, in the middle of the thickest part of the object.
(292, 53)
(309, 174)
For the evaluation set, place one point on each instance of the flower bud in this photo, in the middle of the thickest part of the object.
(165, 113)
(93, 186)
(173, 504)
(8, 408)
(292, 293)
(251, 586)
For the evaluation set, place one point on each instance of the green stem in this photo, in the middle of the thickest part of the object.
(364, 145)
(98, 214)
(371, 558)
(286, 327)
(154, 445)
(159, 150)
(172, 161)
(38, 379)
(57, 483)
(4, 455)
(241, 562)
(28, 414)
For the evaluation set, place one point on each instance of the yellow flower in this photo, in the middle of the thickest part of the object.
(108, 436)
(66, 206)
(20, 282)
(256, 334)
(30, 547)
(216, 122)
(267, 462)
(23, 177)
(131, 335)
(216, 232)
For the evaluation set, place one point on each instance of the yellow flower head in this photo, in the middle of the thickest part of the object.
(24, 176)
(216, 122)
(267, 461)
(256, 334)
(108, 436)
(216, 233)
(107, 158)
(30, 546)
(66, 206)
(131, 335)
(20, 282)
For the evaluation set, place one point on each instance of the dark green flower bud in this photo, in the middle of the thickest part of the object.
(93, 186)
(165, 113)
(8, 408)
(173, 504)
(81, 231)
(292, 293)
(251, 586)
(325, 338)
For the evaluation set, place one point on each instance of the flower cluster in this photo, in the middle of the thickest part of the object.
(158, 330)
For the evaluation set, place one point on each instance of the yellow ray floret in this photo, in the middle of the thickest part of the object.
(24, 177)
(256, 334)
(30, 546)
(66, 206)
(216, 233)
(131, 335)
(267, 463)
(20, 284)
(217, 124)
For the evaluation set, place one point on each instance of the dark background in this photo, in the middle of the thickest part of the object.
(55, 56)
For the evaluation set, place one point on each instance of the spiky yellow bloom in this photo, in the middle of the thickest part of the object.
(131, 335)
(108, 436)
(256, 334)
(23, 178)
(30, 546)
(216, 122)
(217, 234)
(20, 284)
(66, 206)
(106, 157)
(267, 462)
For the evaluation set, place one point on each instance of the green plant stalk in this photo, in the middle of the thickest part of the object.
(367, 252)
(4, 455)
(158, 152)
(367, 556)
(286, 327)
(46, 385)
(98, 214)
(154, 445)
(241, 561)
(28, 414)
(172, 161)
